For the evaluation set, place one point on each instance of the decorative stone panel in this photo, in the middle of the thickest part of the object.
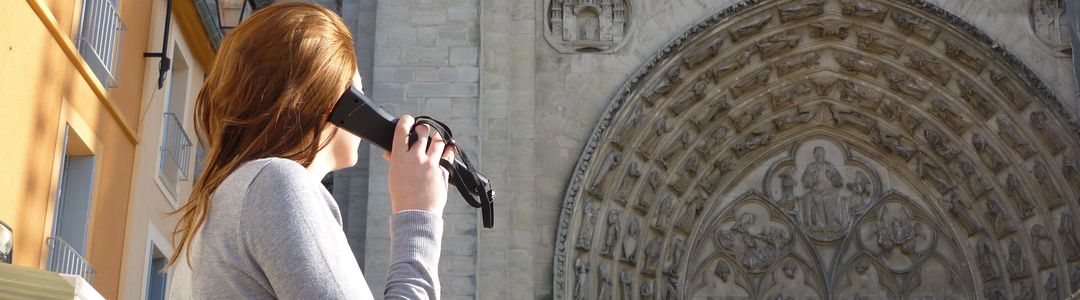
(587, 26)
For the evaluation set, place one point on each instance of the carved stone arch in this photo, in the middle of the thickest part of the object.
(969, 132)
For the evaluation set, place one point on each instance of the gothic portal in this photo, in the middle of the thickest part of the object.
(825, 149)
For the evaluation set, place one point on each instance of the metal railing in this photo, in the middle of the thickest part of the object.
(99, 39)
(64, 259)
(177, 147)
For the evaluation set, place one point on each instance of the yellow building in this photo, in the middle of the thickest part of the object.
(95, 151)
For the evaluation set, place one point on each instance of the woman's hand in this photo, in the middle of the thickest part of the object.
(416, 180)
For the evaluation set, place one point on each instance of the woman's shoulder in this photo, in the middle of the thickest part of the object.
(276, 176)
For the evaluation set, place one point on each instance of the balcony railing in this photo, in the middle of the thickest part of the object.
(175, 150)
(64, 259)
(99, 39)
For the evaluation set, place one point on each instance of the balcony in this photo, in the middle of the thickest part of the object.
(175, 153)
(99, 39)
(65, 260)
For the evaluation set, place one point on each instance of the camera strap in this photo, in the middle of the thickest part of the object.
(463, 175)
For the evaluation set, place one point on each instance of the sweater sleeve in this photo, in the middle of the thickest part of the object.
(294, 239)
(416, 241)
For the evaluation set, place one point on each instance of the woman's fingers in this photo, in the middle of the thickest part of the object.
(437, 145)
(448, 155)
(401, 134)
(423, 137)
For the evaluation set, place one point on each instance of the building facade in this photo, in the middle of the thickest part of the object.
(98, 152)
(752, 149)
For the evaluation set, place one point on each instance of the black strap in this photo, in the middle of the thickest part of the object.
(463, 175)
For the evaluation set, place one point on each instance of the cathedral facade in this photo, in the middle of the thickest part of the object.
(802, 149)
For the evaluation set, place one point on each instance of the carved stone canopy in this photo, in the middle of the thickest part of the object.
(586, 26)
(826, 149)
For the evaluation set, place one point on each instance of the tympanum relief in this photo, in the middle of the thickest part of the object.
(820, 149)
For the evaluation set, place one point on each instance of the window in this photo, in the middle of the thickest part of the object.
(71, 211)
(99, 39)
(175, 143)
(157, 278)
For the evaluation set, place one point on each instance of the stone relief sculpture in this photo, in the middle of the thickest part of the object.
(581, 288)
(751, 26)
(754, 239)
(874, 42)
(629, 242)
(1050, 137)
(864, 9)
(583, 26)
(585, 240)
(1016, 265)
(1043, 246)
(611, 233)
(830, 29)
(963, 54)
(1048, 20)
(801, 9)
(741, 226)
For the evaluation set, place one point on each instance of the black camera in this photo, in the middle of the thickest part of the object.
(358, 114)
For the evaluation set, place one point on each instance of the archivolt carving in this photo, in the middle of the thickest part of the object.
(826, 148)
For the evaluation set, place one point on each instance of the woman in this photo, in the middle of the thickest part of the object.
(258, 223)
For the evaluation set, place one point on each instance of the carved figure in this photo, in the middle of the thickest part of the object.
(750, 82)
(1012, 137)
(690, 213)
(787, 97)
(755, 249)
(704, 52)
(860, 95)
(778, 43)
(712, 180)
(626, 185)
(798, 117)
(989, 156)
(959, 52)
(998, 218)
(961, 212)
(652, 255)
(929, 65)
(860, 191)
(905, 84)
(754, 141)
(751, 26)
(1042, 176)
(627, 281)
(1017, 267)
(1008, 87)
(1043, 245)
(947, 115)
(659, 129)
(903, 115)
(834, 29)
(976, 99)
(584, 242)
(854, 118)
(874, 42)
(673, 149)
(795, 62)
(629, 243)
(976, 183)
(787, 191)
(801, 9)
(712, 111)
(708, 144)
(1070, 239)
(1015, 190)
(822, 180)
(1050, 137)
(864, 9)
(611, 160)
(940, 144)
(650, 193)
(728, 65)
(855, 63)
(913, 24)
(623, 136)
(581, 288)
(686, 175)
(606, 282)
(891, 142)
(985, 260)
(663, 214)
(675, 258)
(611, 233)
(748, 116)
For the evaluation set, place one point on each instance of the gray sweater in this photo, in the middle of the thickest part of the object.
(273, 231)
